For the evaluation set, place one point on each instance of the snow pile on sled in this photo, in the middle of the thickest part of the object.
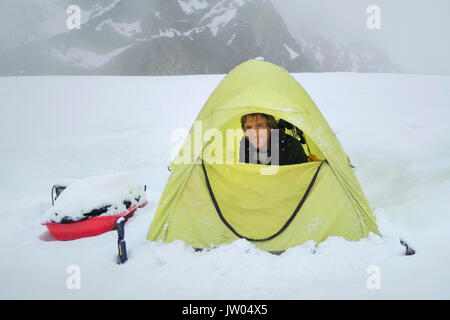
(104, 195)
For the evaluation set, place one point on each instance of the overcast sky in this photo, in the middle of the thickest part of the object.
(414, 33)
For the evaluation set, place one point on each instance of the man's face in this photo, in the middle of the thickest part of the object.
(257, 131)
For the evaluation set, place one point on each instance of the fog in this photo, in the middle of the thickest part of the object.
(413, 33)
(27, 20)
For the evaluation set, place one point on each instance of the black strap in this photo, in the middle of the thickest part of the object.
(291, 218)
(408, 250)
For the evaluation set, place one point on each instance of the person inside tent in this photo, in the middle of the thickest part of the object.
(260, 140)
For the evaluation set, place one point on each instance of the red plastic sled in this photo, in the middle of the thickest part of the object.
(87, 228)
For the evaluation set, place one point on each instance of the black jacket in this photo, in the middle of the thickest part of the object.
(290, 151)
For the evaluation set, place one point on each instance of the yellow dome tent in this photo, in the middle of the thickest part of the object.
(211, 199)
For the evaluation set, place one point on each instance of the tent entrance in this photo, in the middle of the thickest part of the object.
(259, 207)
(222, 144)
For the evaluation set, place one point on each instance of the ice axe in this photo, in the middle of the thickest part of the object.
(121, 245)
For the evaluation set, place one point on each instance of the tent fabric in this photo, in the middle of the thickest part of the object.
(272, 218)
(256, 199)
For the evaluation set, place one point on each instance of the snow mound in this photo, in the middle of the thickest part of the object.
(192, 6)
(86, 58)
(104, 195)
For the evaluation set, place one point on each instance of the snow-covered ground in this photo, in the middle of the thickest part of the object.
(395, 129)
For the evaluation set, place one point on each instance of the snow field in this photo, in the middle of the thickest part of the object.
(393, 127)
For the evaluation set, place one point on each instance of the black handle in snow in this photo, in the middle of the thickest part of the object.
(121, 245)
(408, 250)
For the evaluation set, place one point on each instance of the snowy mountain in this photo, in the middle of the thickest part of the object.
(162, 37)
(331, 55)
